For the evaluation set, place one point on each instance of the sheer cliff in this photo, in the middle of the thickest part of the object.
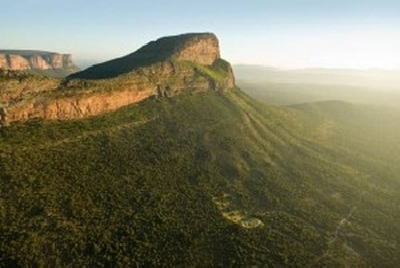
(38, 62)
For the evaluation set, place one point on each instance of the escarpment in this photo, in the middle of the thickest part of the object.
(74, 107)
(162, 68)
(38, 62)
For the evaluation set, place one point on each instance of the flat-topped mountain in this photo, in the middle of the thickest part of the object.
(202, 48)
(38, 62)
(162, 68)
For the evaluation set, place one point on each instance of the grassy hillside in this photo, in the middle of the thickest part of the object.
(206, 179)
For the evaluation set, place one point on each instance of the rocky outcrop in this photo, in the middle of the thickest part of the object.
(163, 68)
(31, 60)
(203, 49)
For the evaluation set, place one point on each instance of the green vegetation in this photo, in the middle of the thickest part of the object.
(218, 71)
(21, 76)
(175, 181)
(17, 86)
(56, 73)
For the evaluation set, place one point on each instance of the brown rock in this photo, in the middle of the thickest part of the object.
(17, 62)
(75, 106)
(37, 62)
(203, 49)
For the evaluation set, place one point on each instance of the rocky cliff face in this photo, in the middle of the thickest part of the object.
(72, 107)
(30, 60)
(203, 49)
(162, 68)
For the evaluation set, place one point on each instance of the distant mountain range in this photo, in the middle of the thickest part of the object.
(371, 78)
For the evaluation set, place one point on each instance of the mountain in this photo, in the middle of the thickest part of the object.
(162, 68)
(38, 62)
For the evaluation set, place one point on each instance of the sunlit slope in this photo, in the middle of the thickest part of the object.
(204, 179)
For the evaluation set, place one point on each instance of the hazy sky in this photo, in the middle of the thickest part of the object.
(280, 33)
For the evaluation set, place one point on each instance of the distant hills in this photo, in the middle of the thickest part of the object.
(372, 78)
(287, 87)
(37, 62)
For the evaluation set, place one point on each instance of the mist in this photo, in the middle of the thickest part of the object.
(287, 87)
